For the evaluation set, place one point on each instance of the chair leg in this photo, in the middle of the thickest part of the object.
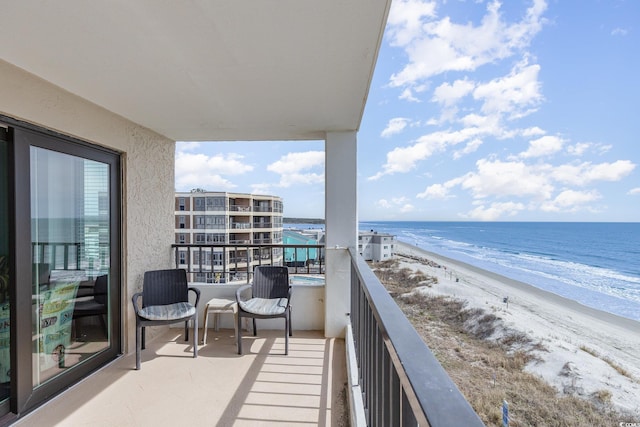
(255, 329)
(205, 326)
(138, 346)
(143, 337)
(239, 333)
(195, 336)
(290, 327)
(186, 330)
(287, 324)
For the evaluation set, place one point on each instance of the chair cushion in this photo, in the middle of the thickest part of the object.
(264, 306)
(176, 311)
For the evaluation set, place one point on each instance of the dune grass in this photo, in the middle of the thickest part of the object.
(488, 371)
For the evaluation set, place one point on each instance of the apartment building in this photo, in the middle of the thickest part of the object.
(236, 224)
(374, 246)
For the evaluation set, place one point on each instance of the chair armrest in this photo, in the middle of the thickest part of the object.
(134, 300)
(239, 292)
(197, 292)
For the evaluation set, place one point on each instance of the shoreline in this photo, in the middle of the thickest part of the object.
(600, 350)
(621, 321)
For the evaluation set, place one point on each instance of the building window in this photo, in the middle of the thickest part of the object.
(181, 203)
(182, 238)
(181, 221)
(216, 203)
(216, 238)
(198, 204)
(216, 222)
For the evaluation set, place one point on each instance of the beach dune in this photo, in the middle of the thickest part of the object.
(587, 350)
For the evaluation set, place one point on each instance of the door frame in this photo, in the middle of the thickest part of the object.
(24, 397)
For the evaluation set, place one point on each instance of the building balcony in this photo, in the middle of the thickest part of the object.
(380, 374)
(307, 387)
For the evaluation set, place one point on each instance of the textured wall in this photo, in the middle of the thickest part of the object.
(148, 169)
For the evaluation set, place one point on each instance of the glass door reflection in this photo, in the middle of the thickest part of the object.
(71, 265)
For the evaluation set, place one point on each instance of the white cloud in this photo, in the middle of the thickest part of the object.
(383, 203)
(544, 146)
(578, 149)
(298, 168)
(435, 191)
(200, 170)
(404, 159)
(395, 125)
(500, 179)
(406, 208)
(449, 94)
(400, 204)
(496, 179)
(619, 32)
(587, 172)
(533, 131)
(570, 201)
(437, 46)
(515, 95)
(495, 211)
(407, 95)
(634, 191)
(406, 18)
(471, 147)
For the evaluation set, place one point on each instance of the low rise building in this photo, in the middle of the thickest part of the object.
(374, 246)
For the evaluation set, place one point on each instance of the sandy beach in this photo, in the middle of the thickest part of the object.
(584, 346)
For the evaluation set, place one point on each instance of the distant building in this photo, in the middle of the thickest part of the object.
(300, 257)
(374, 246)
(215, 218)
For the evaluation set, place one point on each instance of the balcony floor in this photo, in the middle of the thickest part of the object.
(219, 388)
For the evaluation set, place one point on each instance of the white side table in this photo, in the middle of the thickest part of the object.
(218, 306)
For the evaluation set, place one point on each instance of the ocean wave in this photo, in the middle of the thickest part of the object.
(593, 285)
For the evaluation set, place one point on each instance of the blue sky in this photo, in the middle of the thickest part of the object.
(478, 111)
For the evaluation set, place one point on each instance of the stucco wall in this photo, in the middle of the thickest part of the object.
(148, 169)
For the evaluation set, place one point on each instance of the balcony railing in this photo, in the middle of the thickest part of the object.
(400, 380)
(262, 225)
(228, 262)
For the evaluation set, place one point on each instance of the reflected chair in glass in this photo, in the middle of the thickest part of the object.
(94, 304)
(165, 300)
(269, 297)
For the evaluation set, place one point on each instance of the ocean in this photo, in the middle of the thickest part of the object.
(595, 264)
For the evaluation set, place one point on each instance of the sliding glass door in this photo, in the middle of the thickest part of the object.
(61, 212)
(70, 232)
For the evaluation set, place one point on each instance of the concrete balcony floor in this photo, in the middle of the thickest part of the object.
(219, 388)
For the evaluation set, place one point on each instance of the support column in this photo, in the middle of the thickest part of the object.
(341, 226)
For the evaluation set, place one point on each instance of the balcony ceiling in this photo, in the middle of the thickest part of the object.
(209, 69)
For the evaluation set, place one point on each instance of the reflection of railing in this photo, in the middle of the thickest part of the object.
(58, 256)
(399, 379)
(226, 262)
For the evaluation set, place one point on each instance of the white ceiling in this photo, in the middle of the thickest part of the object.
(206, 70)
